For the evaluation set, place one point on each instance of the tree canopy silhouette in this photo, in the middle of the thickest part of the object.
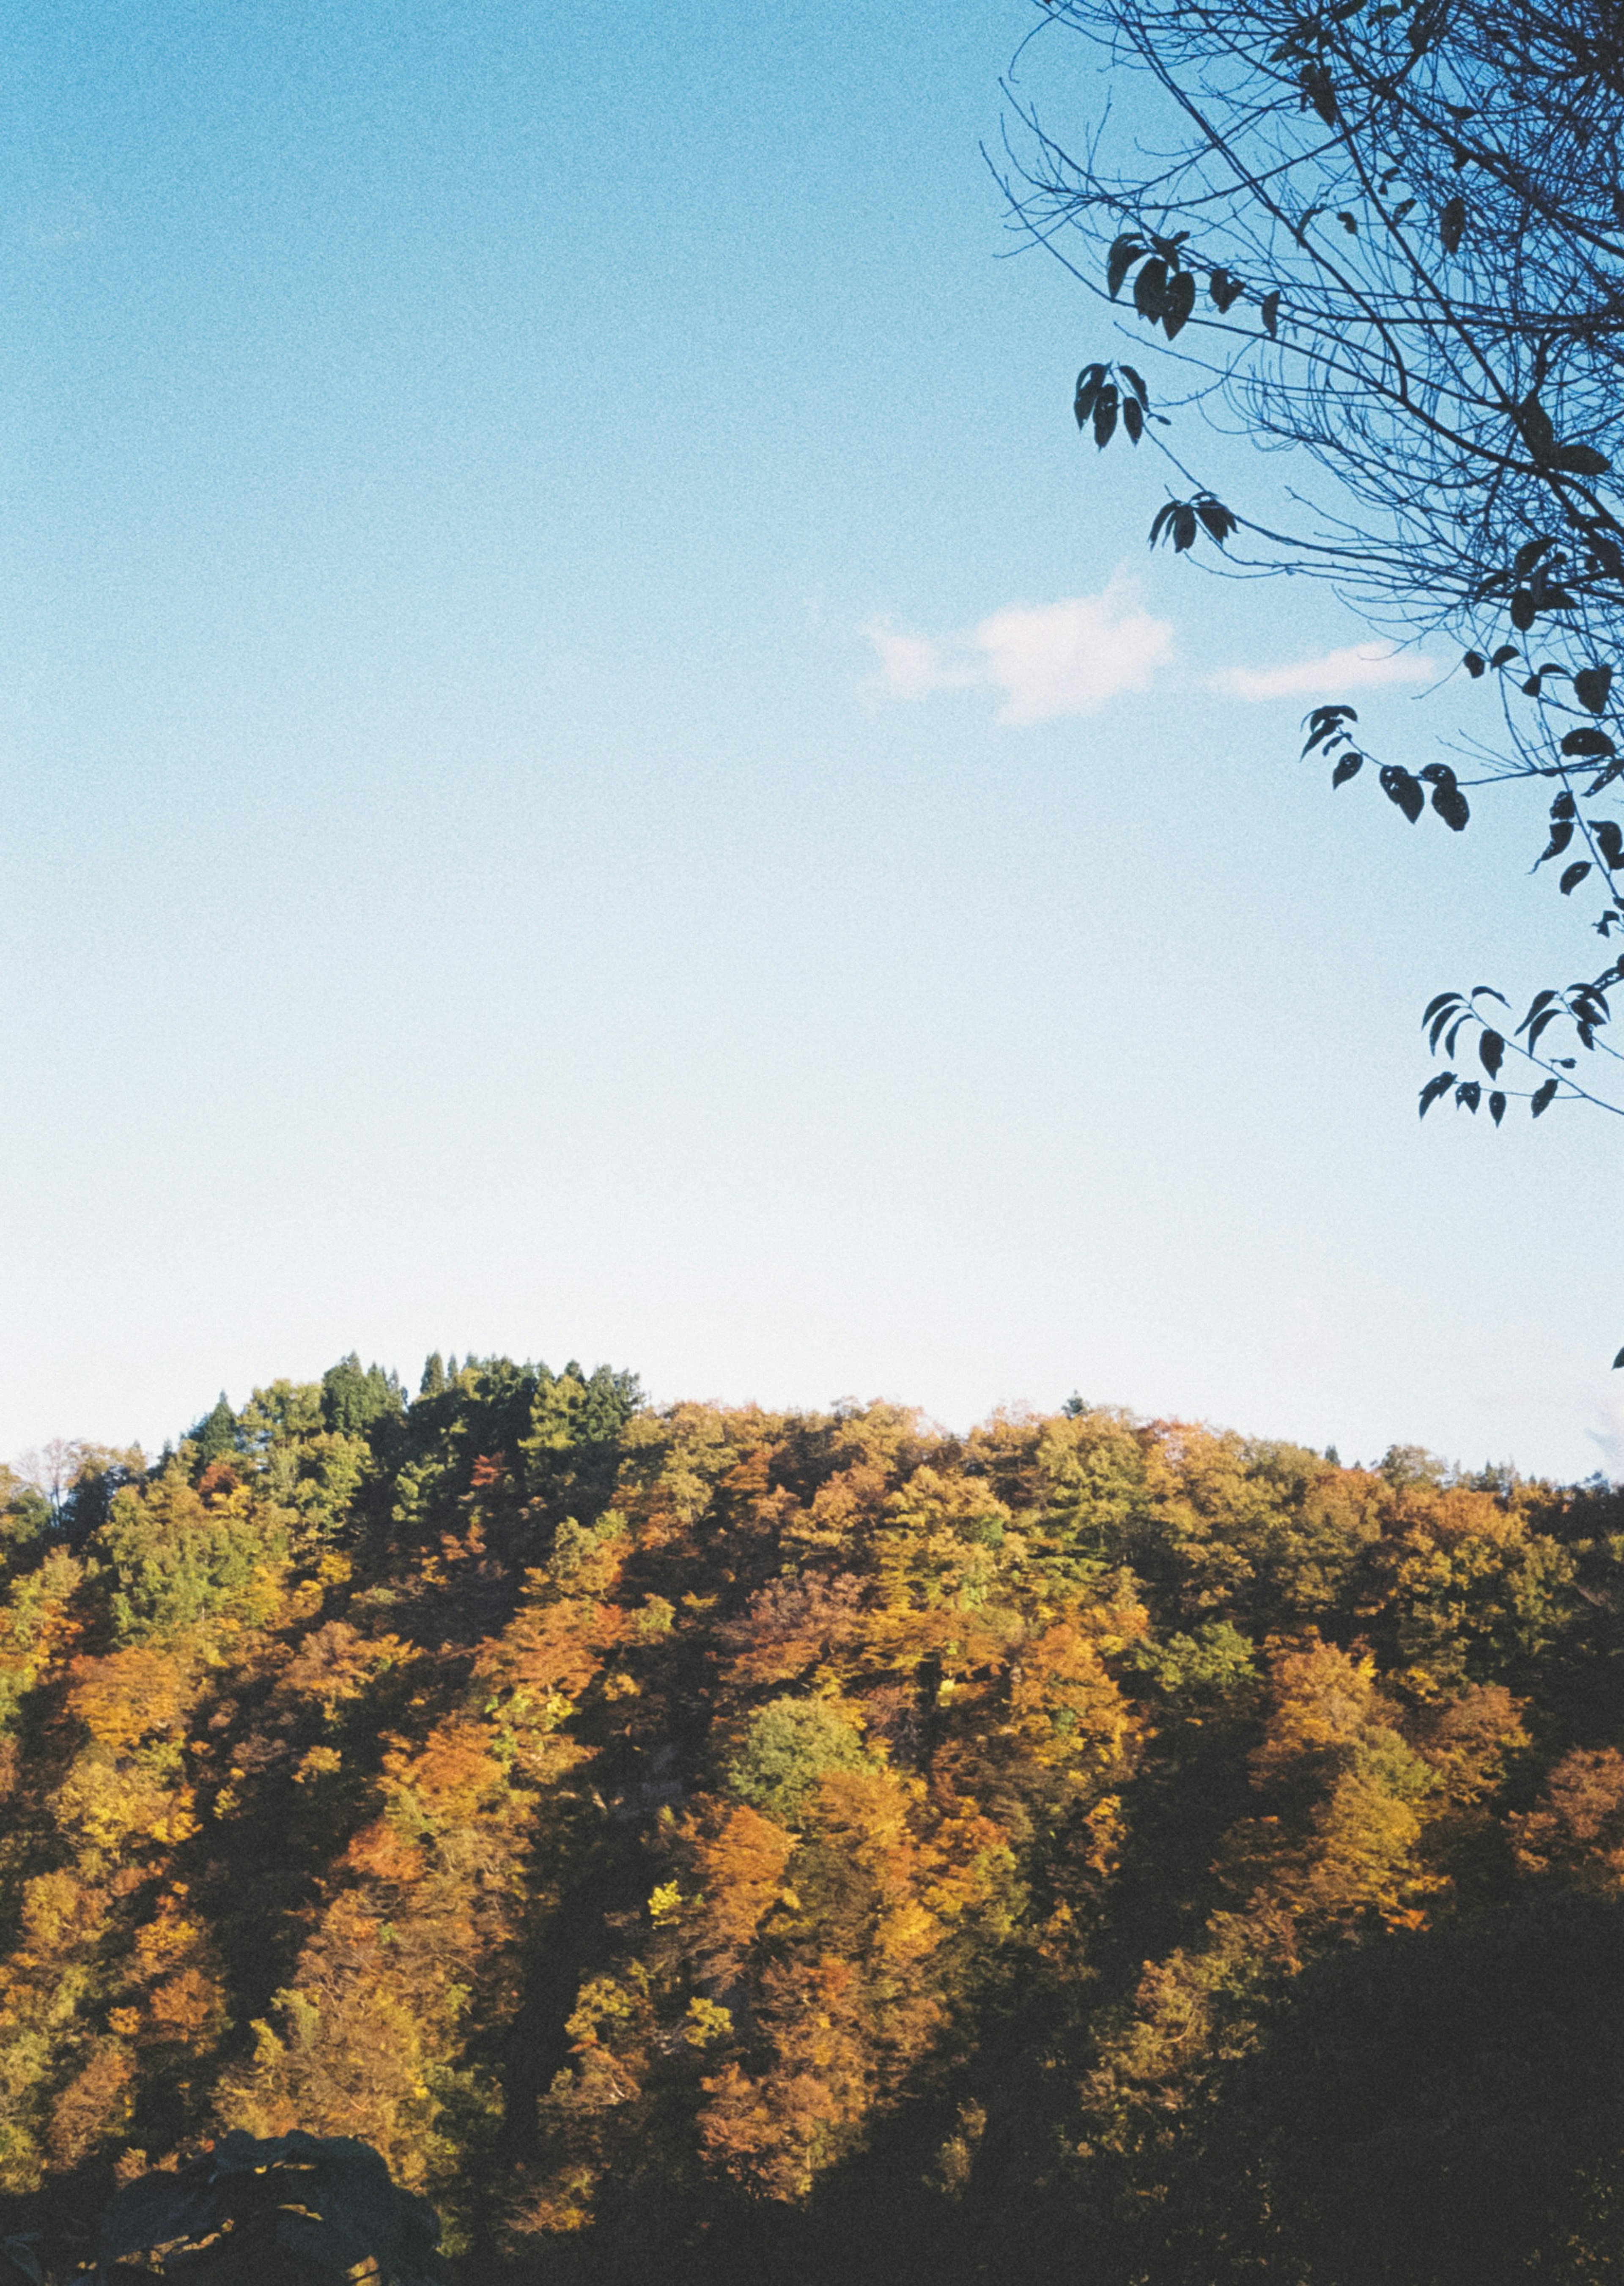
(1390, 236)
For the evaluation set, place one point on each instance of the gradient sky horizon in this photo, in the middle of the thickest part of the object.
(592, 769)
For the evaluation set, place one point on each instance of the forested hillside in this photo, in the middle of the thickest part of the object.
(706, 1842)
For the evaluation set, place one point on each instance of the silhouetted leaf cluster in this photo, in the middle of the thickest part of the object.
(1390, 237)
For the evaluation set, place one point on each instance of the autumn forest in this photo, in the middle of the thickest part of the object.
(703, 1842)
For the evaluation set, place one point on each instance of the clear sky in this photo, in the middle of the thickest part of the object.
(592, 769)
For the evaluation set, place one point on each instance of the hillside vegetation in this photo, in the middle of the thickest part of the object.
(706, 1842)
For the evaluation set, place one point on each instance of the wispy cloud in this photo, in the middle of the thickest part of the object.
(1357, 668)
(913, 666)
(1048, 660)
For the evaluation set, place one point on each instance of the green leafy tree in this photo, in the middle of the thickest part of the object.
(788, 1746)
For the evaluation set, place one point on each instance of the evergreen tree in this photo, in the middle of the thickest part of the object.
(215, 1435)
(352, 1399)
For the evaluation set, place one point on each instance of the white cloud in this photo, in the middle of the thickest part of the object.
(1354, 669)
(913, 665)
(1051, 659)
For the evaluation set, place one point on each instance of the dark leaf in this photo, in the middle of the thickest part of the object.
(1439, 1000)
(1125, 252)
(1177, 521)
(1529, 553)
(1091, 380)
(1324, 721)
(1451, 805)
(1224, 289)
(1270, 313)
(1433, 1089)
(1591, 685)
(1400, 787)
(1531, 688)
(1563, 806)
(1317, 89)
(1149, 289)
(1561, 834)
(1538, 1101)
(1582, 461)
(1349, 225)
(1451, 223)
(1491, 1052)
(1470, 1092)
(1610, 841)
(1105, 416)
(1503, 655)
(1535, 421)
(1132, 419)
(1497, 1107)
(1177, 303)
(1522, 610)
(1136, 384)
(1474, 663)
(1588, 740)
(1572, 877)
(1219, 520)
(1540, 1000)
(1348, 767)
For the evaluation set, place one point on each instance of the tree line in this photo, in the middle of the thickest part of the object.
(697, 1840)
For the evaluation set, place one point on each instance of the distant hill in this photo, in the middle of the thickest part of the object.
(702, 1843)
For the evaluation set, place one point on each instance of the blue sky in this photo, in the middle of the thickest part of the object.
(591, 768)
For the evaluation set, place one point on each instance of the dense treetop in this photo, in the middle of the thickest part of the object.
(704, 1837)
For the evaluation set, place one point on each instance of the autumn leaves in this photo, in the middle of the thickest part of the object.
(627, 1821)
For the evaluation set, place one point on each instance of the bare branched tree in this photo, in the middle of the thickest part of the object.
(54, 1471)
(78, 1479)
(1392, 237)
